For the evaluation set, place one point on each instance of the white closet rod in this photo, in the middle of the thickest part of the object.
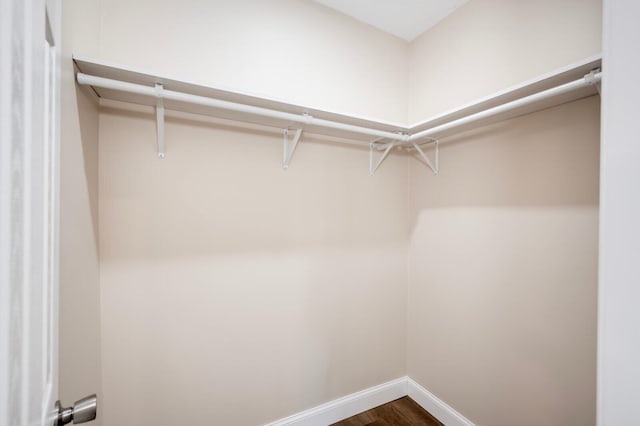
(590, 79)
(303, 119)
(159, 93)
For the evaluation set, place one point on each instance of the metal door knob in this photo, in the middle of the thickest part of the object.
(83, 410)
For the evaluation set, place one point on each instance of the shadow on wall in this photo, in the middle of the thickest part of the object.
(549, 158)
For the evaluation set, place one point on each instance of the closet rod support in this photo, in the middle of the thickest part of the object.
(385, 154)
(371, 145)
(160, 120)
(594, 78)
(287, 153)
(434, 168)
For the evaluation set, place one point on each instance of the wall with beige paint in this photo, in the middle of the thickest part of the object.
(503, 244)
(237, 291)
(489, 45)
(503, 270)
(295, 50)
(80, 353)
(231, 289)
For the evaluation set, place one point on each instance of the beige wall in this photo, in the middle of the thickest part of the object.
(503, 245)
(503, 270)
(295, 50)
(79, 355)
(489, 45)
(235, 293)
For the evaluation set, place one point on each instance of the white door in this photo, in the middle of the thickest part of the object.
(29, 118)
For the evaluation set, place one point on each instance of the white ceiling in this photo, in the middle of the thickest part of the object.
(406, 19)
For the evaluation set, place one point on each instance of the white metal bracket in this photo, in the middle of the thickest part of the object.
(592, 79)
(160, 120)
(372, 146)
(434, 168)
(287, 153)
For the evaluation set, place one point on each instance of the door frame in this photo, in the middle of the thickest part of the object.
(619, 245)
(29, 205)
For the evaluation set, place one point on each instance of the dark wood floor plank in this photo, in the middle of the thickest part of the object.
(415, 414)
(401, 412)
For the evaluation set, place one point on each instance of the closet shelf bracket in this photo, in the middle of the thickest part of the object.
(594, 78)
(289, 148)
(377, 145)
(435, 167)
(159, 88)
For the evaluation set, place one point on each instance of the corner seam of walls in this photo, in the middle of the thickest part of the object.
(100, 305)
(407, 266)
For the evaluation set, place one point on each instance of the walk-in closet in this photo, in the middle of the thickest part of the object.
(309, 212)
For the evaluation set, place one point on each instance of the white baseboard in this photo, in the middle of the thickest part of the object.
(350, 405)
(434, 405)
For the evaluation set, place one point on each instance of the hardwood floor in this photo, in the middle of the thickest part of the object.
(401, 412)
